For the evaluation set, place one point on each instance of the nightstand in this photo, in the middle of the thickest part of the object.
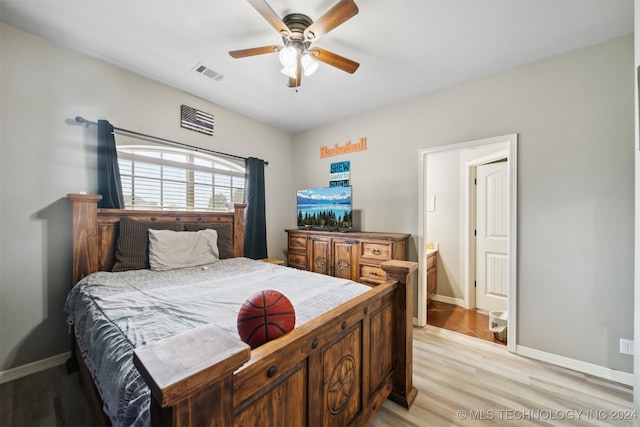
(273, 261)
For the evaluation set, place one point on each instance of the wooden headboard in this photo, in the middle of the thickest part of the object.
(95, 231)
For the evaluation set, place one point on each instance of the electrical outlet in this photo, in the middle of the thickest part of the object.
(626, 346)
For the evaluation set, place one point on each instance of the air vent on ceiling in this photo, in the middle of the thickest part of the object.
(208, 72)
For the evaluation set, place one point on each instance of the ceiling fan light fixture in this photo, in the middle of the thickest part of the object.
(289, 71)
(309, 65)
(288, 56)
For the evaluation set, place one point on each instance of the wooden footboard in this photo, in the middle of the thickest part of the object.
(333, 371)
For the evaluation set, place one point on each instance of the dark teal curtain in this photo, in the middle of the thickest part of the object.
(109, 184)
(255, 224)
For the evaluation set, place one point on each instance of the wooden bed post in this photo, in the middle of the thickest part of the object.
(403, 393)
(85, 234)
(238, 229)
(190, 375)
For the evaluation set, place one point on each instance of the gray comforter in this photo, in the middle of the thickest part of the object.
(113, 313)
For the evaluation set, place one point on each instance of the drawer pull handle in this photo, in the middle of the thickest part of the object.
(374, 273)
(376, 252)
(272, 371)
(344, 325)
(314, 344)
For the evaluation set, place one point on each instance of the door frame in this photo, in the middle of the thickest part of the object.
(510, 142)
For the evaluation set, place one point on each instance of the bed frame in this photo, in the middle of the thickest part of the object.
(335, 370)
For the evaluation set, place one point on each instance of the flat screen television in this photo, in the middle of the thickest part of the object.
(325, 208)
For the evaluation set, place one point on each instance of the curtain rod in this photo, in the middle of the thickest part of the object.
(82, 120)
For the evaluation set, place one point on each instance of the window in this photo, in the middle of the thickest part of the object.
(176, 179)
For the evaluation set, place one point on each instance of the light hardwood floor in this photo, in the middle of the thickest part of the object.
(465, 381)
(461, 381)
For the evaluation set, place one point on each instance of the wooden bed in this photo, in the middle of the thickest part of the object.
(336, 370)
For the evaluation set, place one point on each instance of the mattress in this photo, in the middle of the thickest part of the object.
(114, 313)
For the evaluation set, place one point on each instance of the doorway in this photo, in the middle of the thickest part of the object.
(447, 210)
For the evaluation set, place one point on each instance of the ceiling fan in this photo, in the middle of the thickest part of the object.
(298, 31)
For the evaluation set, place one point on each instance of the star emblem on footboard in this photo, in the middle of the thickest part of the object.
(341, 385)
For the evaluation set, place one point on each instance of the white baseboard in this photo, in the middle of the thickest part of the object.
(32, 368)
(577, 365)
(450, 300)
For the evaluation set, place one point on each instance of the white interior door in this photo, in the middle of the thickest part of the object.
(492, 233)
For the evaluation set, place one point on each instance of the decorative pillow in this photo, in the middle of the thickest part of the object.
(225, 236)
(264, 316)
(132, 246)
(169, 250)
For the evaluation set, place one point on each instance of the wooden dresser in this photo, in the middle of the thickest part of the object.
(353, 255)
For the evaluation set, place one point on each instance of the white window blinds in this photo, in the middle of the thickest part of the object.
(158, 177)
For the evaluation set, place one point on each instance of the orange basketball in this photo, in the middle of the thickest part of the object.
(266, 315)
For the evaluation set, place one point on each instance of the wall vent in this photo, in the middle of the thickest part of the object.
(208, 72)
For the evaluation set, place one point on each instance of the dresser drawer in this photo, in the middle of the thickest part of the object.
(371, 273)
(297, 260)
(298, 242)
(375, 250)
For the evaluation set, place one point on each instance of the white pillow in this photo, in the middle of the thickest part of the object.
(170, 249)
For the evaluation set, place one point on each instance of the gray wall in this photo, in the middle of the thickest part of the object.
(574, 115)
(42, 158)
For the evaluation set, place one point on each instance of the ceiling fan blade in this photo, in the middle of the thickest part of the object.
(243, 53)
(335, 60)
(297, 81)
(338, 14)
(272, 18)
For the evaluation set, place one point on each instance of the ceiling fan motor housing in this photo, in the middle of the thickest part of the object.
(297, 23)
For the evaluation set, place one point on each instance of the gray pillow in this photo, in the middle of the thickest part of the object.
(132, 246)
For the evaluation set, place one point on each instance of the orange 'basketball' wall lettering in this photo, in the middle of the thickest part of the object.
(361, 145)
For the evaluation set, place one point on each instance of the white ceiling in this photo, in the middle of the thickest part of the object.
(405, 48)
